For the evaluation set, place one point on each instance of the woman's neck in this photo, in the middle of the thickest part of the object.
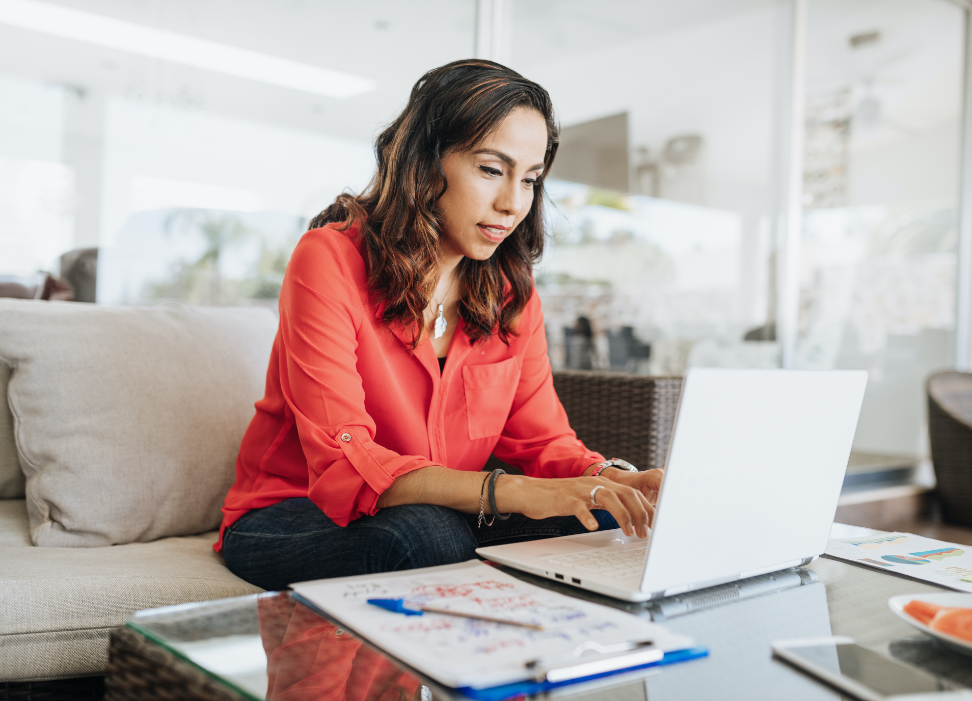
(448, 262)
(446, 294)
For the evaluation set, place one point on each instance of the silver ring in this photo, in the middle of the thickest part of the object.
(593, 492)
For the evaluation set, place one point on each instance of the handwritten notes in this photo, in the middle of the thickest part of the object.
(914, 556)
(461, 652)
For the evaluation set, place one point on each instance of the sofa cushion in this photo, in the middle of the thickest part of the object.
(58, 605)
(11, 476)
(128, 420)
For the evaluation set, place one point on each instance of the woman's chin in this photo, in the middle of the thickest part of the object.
(482, 251)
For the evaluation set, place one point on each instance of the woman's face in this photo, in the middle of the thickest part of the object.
(490, 187)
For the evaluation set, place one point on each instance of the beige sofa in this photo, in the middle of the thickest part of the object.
(118, 433)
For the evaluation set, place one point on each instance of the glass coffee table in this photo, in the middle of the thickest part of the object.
(269, 646)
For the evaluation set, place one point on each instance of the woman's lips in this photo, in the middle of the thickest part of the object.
(496, 235)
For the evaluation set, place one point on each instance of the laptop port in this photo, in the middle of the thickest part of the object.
(558, 576)
(575, 580)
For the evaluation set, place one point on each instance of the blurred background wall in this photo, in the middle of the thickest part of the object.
(741, 183)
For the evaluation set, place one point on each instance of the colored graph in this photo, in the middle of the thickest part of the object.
(875, 563)
(923, 557)
(905, 560)
(875, 543)
(940, 554)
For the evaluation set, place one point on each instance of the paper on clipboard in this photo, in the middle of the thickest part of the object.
(462, 652)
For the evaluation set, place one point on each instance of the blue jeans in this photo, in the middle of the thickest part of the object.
(293, 541)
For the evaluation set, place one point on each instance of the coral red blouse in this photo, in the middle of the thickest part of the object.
(349, 406)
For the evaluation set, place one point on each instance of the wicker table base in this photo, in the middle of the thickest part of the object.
(84, 689)
(140, 669)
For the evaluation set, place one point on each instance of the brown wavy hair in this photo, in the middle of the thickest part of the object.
(451, 108)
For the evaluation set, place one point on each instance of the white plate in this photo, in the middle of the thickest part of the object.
(897, 604)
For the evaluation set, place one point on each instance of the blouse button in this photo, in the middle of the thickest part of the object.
(346, 437)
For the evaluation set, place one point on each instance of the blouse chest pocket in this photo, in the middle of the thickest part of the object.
(489, 396)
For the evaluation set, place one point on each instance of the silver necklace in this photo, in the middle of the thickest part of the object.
(440, 321)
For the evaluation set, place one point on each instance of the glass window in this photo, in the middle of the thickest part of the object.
(190, 142)
(877, 285)
(661, 254)
(36, 187)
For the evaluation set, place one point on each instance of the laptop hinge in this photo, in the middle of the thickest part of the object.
(705, 584)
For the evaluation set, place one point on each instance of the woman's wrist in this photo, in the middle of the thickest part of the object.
(509, 489)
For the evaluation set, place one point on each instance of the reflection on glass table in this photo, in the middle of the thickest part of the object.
(308, 657)
(270, 647)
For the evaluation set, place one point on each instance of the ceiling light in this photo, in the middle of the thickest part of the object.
(179, 48)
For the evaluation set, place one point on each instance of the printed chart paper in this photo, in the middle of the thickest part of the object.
(947, 564)
(462, 652)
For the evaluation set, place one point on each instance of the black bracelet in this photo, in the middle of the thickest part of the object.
(491, 495)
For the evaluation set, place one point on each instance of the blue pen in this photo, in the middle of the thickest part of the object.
(398, 606)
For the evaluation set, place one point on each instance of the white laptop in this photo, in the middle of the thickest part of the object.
(754, 471)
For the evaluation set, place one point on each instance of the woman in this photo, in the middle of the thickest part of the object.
(411, 346)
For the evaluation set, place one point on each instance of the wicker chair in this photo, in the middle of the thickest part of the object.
(950, 431)
(619, 415)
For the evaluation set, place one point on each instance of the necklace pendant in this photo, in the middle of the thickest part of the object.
(440, 324)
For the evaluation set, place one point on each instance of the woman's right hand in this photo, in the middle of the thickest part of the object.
(539, 498)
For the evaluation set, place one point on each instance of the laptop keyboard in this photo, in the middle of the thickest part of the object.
(607, 562)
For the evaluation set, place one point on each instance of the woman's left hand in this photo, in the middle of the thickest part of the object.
(647, 482)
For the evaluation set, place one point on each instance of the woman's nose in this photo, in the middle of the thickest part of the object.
(511, 199)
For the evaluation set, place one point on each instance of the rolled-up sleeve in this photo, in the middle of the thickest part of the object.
(319, 322)
(537, 437)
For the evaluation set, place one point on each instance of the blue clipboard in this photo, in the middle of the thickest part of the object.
(525, 688)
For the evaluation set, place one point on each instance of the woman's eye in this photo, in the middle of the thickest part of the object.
(532, 182)
(490, 171)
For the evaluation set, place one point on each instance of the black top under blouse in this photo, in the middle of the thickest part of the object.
(442, 365)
